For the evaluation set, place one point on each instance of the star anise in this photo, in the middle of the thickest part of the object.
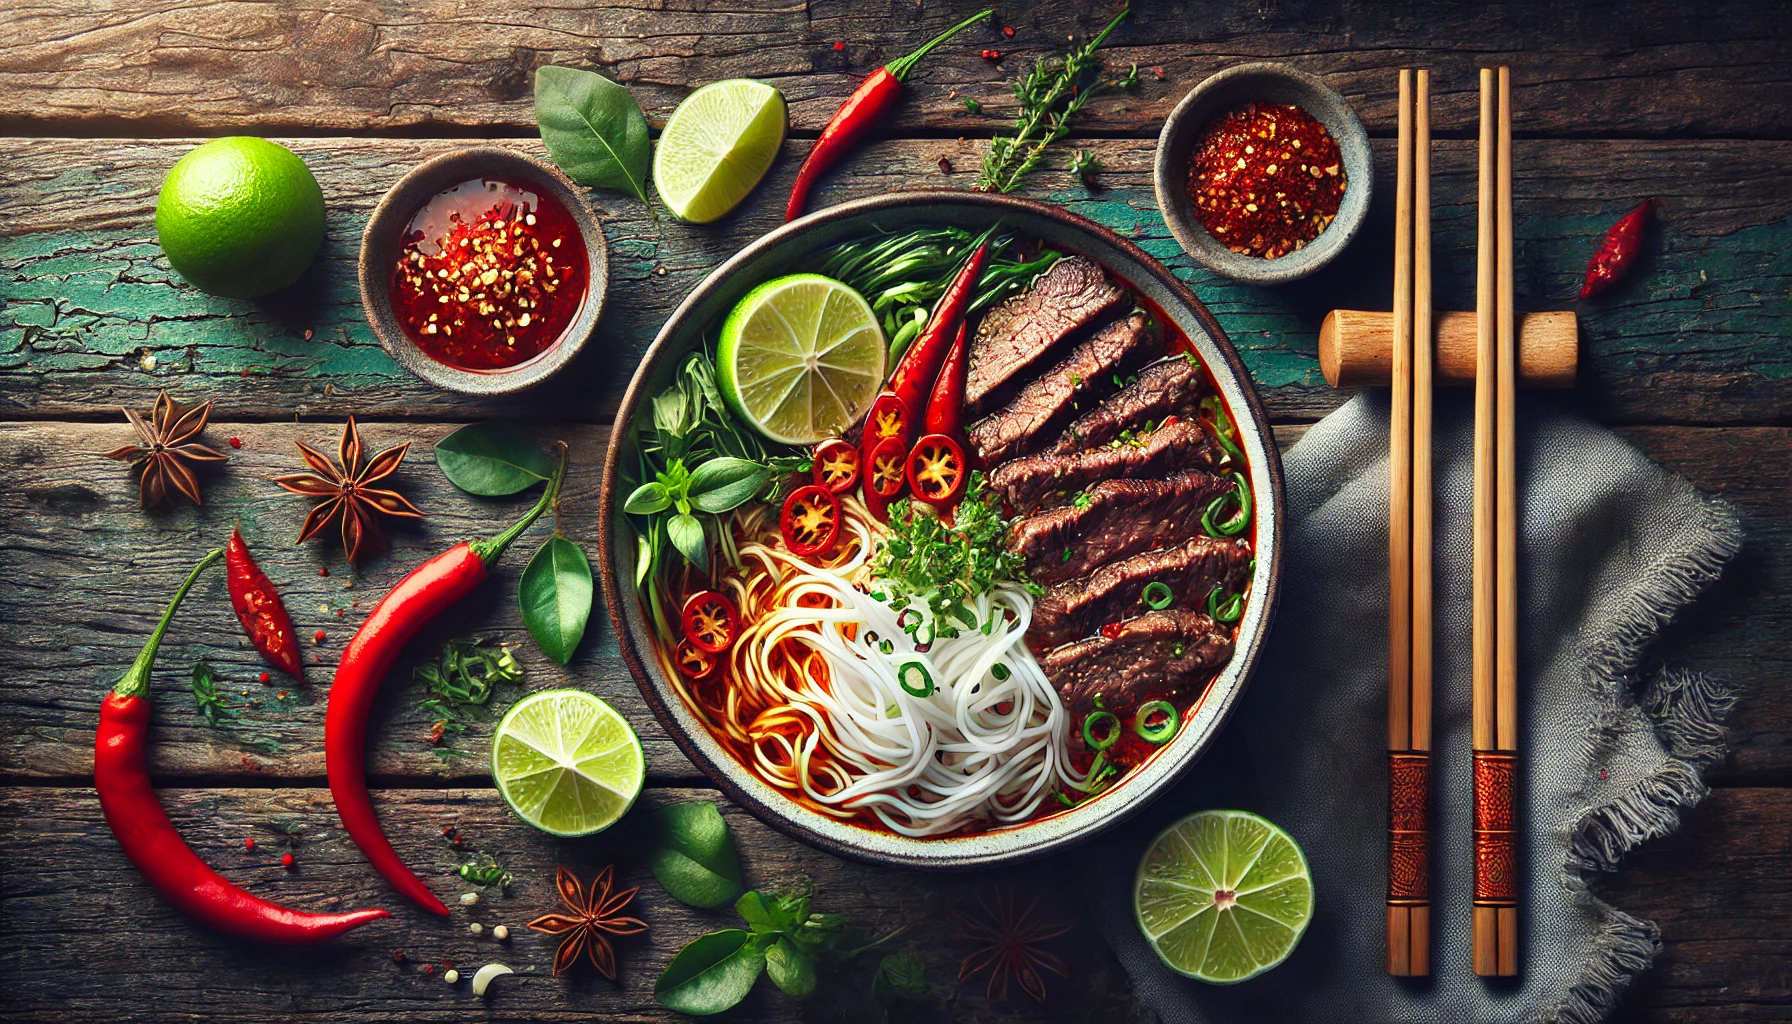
(168, 448)
(588, 927)
(1009, 945)
(347, 483)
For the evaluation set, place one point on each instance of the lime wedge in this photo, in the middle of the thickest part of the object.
(716, 146)
(566, 762)
(1223, 896)
(801, 358)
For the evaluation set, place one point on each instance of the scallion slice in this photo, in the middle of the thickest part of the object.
(914, 679)
(1156, 722)
(1101, 730)
(1158, 595)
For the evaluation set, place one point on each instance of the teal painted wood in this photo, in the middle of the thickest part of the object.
(93, 317)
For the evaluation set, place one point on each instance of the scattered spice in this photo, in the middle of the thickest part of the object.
(1008, 30)
(168, 450)
(236, 442)
(347, 484)
(1266, 179)
(451, 976)
(491, 275)
(945, 166)
(264, 678)
(588, 928)
(463, 676)
(249, 844)
(1009, 945)
(212, 706)
(972, 105)
(992, 55)
(317, 637)
(839, 44)
(286, 860)
(1616, 250)
(501, 933)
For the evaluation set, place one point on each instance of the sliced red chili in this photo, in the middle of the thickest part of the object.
(836, 465)
(886, 473)
(888, 418)
(694, 662)
(711, 621)
(936, 470)
(810, 520)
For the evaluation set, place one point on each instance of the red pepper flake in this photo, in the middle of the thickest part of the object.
(236, 442)
(429, 968)
(436, 731)
(1266, 179)
(286, 861)
(323, 570)
(992, 55)
(248, 844)
(307, 334)
(339, 613)
(281, 695)
(317, 637)
(398, 955)
(945, 166)
(491, 274)
(839, 45)
(1008, 30)
(264, 677)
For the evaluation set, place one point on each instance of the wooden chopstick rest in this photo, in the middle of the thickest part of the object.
(1356, 348)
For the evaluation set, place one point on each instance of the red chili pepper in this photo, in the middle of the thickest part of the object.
(888, 418)
(711, 621)
(885, 475)
(945, 406)
(875, 97)
(121, 777)
(1617, 250)
(259, 608)
(937, 471)
(694, 662)
(431, 589)
(810, 520)
(836, 465)
(920, 365)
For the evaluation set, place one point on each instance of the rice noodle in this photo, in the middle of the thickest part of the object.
(811, 703)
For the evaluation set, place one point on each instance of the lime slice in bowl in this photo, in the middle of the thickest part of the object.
(1223, 896)
(801, 358)
(716, 146)
(566, 762)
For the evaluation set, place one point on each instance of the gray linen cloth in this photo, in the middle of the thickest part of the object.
(1613, 547)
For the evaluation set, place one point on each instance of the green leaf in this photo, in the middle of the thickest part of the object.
(713, 973)
(724, 483)
(555, 594)
(901, 978)
(648, 498)
(493, 459)
(593, 129)
(686, 533)
(695, 860)
(790, 968)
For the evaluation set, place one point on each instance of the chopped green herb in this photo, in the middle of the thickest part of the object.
(1082, 500)
(212, 705)
(972, 105)
(461, 677)
(943, 567)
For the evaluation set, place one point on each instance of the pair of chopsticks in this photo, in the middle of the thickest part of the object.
(1409, 544)
(1495, 712)
(1495, 594)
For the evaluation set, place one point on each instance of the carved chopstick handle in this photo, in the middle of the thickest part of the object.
(1496, 851)
(1409, 862)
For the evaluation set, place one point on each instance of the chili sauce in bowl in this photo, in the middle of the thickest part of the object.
(483, 271)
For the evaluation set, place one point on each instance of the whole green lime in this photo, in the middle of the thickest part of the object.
(240, 217)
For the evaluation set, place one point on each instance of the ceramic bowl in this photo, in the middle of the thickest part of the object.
(1261, 83)
(381, 244)
(786, 250)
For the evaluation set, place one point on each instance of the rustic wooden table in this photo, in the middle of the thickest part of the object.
(1689, 103)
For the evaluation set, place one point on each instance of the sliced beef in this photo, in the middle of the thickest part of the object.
(1173, 387)
(1044, 404)
(1120, 518)
(1157, 656)
(1034, 482)
(1073, 610)
(1072, 295)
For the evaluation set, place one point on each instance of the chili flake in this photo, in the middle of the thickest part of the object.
(1266, 179)
(491, 274)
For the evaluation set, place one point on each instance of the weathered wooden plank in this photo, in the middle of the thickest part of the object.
(140, 67)
(86, 297)
(75, 528)
(72, 904)
(1718, 889)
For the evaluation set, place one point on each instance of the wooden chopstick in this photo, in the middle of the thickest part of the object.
(1409, 545)
(1495, 713)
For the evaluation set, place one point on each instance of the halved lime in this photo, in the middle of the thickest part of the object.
(801, 358)
(566, 762)
(1223, 896)
(716, 146)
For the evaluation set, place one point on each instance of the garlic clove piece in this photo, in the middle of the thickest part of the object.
(483, 977)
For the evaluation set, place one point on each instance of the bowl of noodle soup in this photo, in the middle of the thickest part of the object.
(829, 717)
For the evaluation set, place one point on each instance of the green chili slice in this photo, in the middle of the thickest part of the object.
(1164, 729)
(1223, 431)
(1234, 524)
(1157, 595)
(1224, 607)
(914, 679)
(1000, 670)
(1101, 730)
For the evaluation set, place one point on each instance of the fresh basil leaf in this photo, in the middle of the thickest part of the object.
(713, 973)
(593, 129)
(648, 498)
(790, 968)
(725, 483)
(555, 594)
(901, 978)
(756, 910)
(686, 534)
(493, 459)
(695, 860)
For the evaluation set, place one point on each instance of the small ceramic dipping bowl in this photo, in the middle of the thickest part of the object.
(468, 183)
(1261, 83)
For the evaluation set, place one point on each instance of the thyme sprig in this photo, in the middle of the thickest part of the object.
(1052, 93)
